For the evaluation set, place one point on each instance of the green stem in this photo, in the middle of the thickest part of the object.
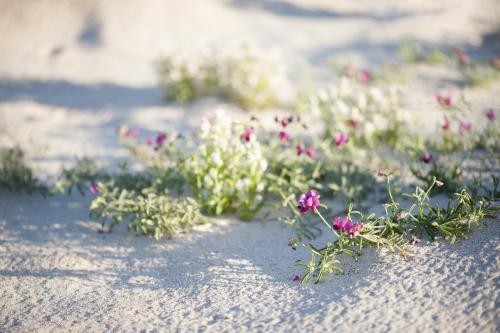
(326, 223)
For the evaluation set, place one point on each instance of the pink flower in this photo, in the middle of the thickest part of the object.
(491, 114)
(309, 200)
(160, 138)
(446, 124)
(247, 134)
(341, 224)
(465, 127)
(346, 226)
(310, 152)
(299, 149)
(414, 240)
(426, 158)
(284, 136)
(354, 123)
(132, 133)
(365, 75)
(355, 229)
(94, 188)
(443, 100)
(149, 140)
(341, 138)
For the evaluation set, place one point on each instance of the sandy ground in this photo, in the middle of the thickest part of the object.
(72, 71)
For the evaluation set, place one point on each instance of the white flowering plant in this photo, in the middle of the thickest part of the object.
(354, 111)
(227, 171)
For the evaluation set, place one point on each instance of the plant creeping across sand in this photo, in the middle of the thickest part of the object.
(396, 227)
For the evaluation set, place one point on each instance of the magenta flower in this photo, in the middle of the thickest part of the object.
(160, 138)
(94, 188)
(365, 75)
(354, 123)
(443, 100)
(309, 200)
(426, 158)
(491, 114)
(355, 229)
(299, 149)
(247, 134)
(284, 136)
(341, 224)
(446, 124)
(346, 226)
(465, 127)
(341, 138)
(310, 152)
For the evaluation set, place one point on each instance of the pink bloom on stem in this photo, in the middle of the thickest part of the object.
(94, 188)
(446, 124)
(426, 158)
(299, 149)
(284, 136)
(365, 75)
(465, 127)
(491, 114)
(309, 200)
(149, 140)
(132, 133)
(346, 226)
(354, 123)
(284, 122)
(247, 134)
(310, 152)
(341, 138)
(341, 224)
(443, 100)
(160, 139)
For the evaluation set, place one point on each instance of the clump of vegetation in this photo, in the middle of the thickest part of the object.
(242, 75)
(15, 174)
(395, 228)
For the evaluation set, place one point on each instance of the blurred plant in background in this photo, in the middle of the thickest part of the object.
(242, 75)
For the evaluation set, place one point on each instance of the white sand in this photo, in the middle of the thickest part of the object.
(72, 71)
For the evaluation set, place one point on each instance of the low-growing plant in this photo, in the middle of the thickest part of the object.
(147, 211)
(393, 228)
(227, 171)
(241, 75)
(15, 174)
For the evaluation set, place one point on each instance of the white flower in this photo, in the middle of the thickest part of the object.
(216, 158)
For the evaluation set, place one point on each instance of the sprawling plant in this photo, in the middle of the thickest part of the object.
(396, 227)
(241, 75)
(364, 114)
(15, 174)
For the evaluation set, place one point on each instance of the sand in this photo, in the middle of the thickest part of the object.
(72, 72)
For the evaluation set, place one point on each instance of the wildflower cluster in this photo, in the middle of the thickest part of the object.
(227, 171)
(15, 174)
(474, 73)
(397, 227)
(363, 113)
(242, 75)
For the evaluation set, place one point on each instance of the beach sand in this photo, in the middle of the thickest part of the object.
(71, 72)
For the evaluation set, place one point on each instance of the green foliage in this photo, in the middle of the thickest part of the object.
(15, 175)
(394, 228)
(79, 176)
(147, 212)
(241, 76)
